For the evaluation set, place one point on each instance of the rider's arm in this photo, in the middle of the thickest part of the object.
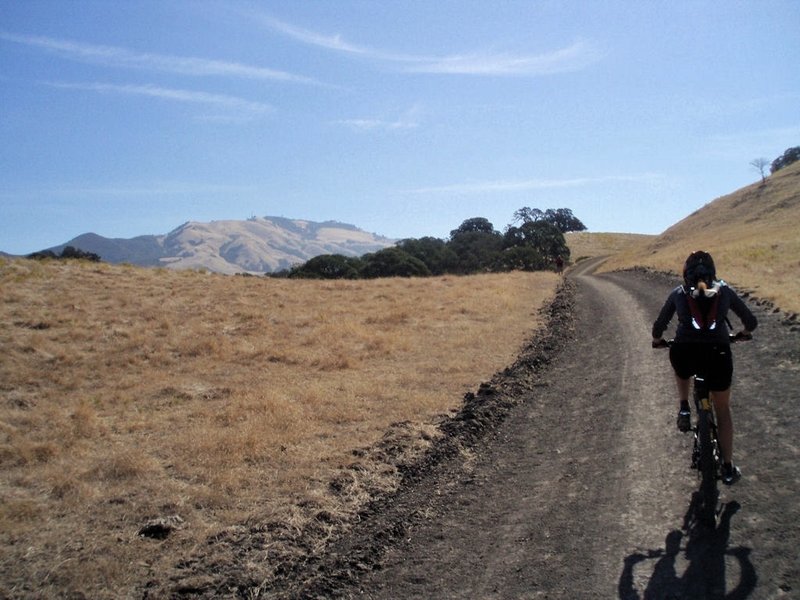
(664, 317)
(741, 310)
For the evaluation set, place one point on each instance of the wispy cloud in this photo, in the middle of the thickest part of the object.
(408, 120)
(331, 42)
(574, 57)
(241, 106)
(524, 185)
(371, 124)
(114, 56)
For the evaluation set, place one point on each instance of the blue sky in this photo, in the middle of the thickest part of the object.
(404, 118)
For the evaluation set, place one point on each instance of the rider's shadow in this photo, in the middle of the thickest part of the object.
(703, 551)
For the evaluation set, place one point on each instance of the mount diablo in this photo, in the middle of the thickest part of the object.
(257, 245)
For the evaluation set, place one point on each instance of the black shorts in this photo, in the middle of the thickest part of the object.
(712, 360)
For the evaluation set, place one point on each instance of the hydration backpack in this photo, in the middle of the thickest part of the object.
(704, 311)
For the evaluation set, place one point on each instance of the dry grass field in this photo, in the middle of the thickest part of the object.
(753, 235)
(130, 395)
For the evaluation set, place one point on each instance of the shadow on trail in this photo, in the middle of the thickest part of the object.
(701, 553)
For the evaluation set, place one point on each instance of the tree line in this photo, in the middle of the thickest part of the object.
(69, 252)
(534, 241)
(791, 155)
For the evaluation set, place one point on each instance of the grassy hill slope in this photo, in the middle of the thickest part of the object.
(753, 235)
(584, 244)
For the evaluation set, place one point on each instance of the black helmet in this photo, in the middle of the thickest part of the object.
(699, 267)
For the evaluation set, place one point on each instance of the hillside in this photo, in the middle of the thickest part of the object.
(584, 244)
(257, 245)
(753, 234)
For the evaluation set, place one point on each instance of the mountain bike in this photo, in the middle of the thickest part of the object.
(706, 455)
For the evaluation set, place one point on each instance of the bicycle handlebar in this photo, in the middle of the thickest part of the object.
(733, 338)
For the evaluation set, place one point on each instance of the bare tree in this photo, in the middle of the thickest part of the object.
(760, 164)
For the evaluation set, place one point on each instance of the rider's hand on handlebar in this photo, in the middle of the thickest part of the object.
(660, 343)
(743, 336)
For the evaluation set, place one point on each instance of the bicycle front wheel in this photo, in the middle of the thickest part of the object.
(708, 469)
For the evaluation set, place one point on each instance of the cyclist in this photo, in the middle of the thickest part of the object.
(702, 338)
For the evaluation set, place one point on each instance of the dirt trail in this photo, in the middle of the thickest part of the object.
(584, 490)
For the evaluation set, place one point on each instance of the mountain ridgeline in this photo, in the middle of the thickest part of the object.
(257, 245)
(331, 250)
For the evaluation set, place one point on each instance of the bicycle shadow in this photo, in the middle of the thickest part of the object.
(703, 550)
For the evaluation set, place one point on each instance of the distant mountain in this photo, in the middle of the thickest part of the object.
(257, 245)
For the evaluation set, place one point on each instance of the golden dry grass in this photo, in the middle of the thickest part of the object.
(583, 244)
(753, 235)
(130, 394)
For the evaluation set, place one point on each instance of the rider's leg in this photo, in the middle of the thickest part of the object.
(681, 356)
(684, 386)
(684, 421)
(722, 406)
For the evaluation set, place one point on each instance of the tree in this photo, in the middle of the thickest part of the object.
(526, 214)
(393, 262)
(435, 253)
(67, 253)
(562, 218)
(790, 156)
(521, 258)
(77, 253)
(759, 164)
(542, 236)
(476, 245)
(328, 266)
(475, 224)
